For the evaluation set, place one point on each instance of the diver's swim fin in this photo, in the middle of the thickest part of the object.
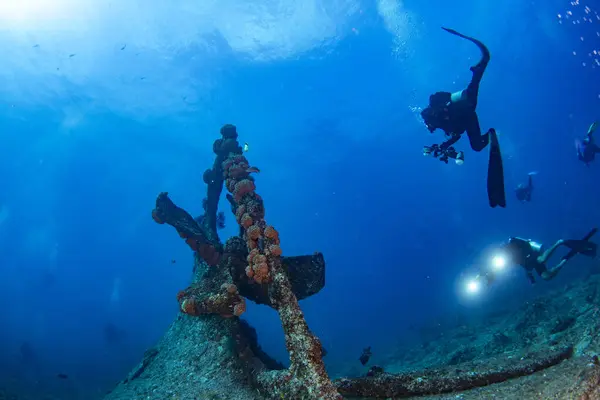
(583, 246)
(452, 31)
(592, 128)
(477, 42)
(484, 50)
(495, 177)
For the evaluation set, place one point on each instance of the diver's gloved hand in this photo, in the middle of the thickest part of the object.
(444, 154)
(434, 150)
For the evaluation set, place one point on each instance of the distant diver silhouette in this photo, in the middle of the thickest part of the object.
(587, 147)
(523, 192)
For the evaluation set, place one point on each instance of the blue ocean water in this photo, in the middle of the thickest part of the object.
(104, 105)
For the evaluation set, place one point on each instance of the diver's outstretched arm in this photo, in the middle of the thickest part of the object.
(453, 139)
(579, 153)
(548, 253)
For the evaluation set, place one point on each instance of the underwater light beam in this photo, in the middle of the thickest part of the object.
(473, 286)
(498, 262)
(23, 12)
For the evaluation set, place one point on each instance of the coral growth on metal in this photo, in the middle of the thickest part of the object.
(215, 292)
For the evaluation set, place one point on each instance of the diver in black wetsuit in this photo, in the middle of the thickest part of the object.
(523, 192)
(531, 255)
(587, 148)
(455, 113)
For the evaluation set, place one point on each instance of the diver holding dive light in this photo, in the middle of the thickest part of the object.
(444, 154)
(532, 256)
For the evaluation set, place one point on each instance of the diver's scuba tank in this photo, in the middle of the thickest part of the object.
(533, 244)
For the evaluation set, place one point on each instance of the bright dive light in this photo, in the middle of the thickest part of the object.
(473, 286)
(498, 262)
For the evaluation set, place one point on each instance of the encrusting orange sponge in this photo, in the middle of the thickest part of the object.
(262, 240)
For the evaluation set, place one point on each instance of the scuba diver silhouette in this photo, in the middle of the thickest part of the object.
(587, 148)
(455, 113)
(531, 255)
(523, 192)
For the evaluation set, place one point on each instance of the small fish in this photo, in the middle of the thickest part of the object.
(251, 170)
(173, 261)
(124, 46)
(37, 45)
(365, 356)
(72, 55)
(246, 147)
(62, 376)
